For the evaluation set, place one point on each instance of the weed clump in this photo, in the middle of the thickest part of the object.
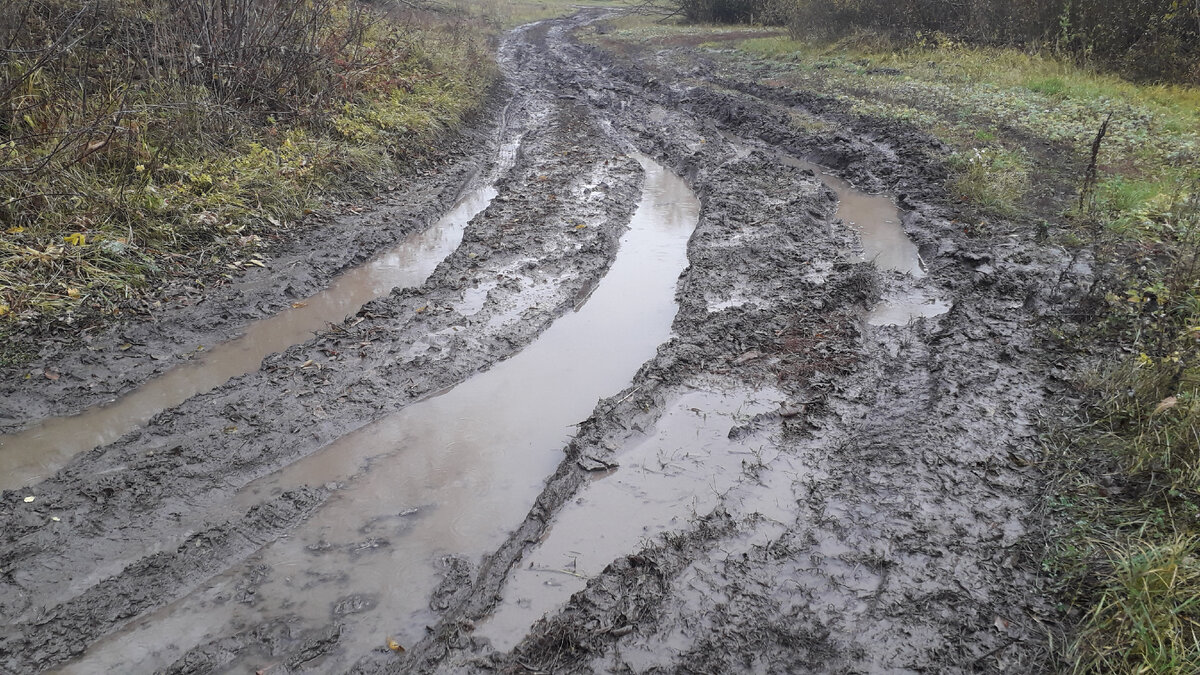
(993, 179)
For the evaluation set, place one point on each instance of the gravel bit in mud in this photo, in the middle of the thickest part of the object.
(866, 499)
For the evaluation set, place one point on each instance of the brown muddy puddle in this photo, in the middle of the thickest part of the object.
(876, 220)
(453, 474)
(681, 469)
(39, 451)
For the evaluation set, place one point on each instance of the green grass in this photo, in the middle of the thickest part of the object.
(1049, 86)
(1127, 554)
(993, 179)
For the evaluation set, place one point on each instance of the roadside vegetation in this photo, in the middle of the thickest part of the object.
(507, 14)
(1021, 113)
(142, 140)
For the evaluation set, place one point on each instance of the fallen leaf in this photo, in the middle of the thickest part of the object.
(50, 375)
(232, 428)
(1000, 623)
(76, 239)
(55, 518)
(125, 346)
(747, 357)
(422, 309)
(1165, 404)
(307, 364)
(298, 305)
(258, 262)
(15, 230)
(395, 646)
(1018, 460)
(73, 293)
(29, 499)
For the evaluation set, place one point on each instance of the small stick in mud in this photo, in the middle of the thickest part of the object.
(1090, 178)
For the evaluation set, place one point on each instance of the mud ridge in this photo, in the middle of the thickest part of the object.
(66, 630)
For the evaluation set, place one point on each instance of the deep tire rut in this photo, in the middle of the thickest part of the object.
(902, 482)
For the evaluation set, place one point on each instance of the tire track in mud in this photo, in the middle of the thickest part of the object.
(117, 504)
(97, 366)
(889, 528)
(906, 452)
(460, 468)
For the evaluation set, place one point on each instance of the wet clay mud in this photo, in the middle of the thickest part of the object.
(449, 475)
(682, 468)
(876, 220)
(559, 454)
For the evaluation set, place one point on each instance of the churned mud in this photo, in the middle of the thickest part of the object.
(697, 391)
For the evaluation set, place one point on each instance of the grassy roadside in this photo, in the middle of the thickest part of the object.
(1124, 452)
(507, 14)
(118, 172)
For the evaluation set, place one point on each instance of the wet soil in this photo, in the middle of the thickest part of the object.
(805, 470)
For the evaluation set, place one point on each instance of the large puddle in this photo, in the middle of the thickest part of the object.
(37, 452)
(453, 474)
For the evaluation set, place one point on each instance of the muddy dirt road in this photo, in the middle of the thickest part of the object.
(813, 448)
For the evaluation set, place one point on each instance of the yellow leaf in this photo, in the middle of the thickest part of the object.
(395, 646)
(125, 346)
(73, 293)
(4, 309)
(15, 230)
(257, 262)
(1165, 404)
(76, 239)
(299, 305)
(422, 309)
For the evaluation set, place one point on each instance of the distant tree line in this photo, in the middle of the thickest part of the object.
(1148, 39)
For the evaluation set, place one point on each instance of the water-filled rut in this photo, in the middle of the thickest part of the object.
(876, 221)
(33, 454)
(450, 475)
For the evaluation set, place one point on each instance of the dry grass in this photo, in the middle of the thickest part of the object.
(129, 154)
